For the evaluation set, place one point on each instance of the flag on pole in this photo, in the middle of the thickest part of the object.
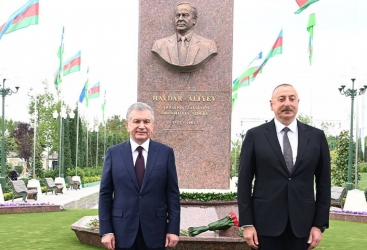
(311, 23)
(72, 64)
(82, 94)
(276, 49)
(94, 91)
(60, 51)
(244, 79)
(25, 16)
(86, 91)
(103, 106)
(303, 4)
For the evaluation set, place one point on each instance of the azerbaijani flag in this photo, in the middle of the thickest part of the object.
(244, 79)
(25, 16)
(103, 106)
(94, 91)
(303, 4)
(72, 64)
(311, 23)
(276, 49)
(60, 51)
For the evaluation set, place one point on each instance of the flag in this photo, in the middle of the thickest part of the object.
(94, 91)
(311, 23)
(86, 90)
(72, 64)
(303, 4)
(234, 97)
(244, 79)
(103, 105)
(25, 16)
(56, 76)
(276, 49)
(60, 51)
(257, 57)
(82, 93)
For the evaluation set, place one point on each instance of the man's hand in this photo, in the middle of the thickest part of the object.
(108, 241)
(250, 234)
(171, 240)
(315, 237)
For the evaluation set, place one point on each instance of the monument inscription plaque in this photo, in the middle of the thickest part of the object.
(193, 109)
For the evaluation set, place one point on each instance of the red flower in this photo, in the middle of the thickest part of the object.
(234, 219)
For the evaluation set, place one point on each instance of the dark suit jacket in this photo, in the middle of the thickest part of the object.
(279, 196)
(199, 52)
(122, 206)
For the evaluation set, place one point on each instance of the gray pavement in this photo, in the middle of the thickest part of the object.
(81, 198)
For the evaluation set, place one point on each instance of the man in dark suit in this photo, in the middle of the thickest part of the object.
(139, 206)
(286, 158)
(185, 51)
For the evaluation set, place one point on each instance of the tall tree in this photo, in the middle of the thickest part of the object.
(23, 134)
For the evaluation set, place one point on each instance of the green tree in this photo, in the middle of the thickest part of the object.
(235, 157)
(304, 118)
(339, 171)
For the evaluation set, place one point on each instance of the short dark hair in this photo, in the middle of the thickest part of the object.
(194, 10)
(282, 85)
(139, 106)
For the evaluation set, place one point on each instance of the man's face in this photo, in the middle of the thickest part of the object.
(140, 125)
(184, 18)
(284, 103)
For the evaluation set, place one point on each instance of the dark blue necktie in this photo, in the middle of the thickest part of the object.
(140, 166)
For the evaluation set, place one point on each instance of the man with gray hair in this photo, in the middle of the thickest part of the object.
(139, 198)
(185, 51)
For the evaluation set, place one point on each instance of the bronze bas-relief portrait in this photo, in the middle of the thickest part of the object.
(185, 51)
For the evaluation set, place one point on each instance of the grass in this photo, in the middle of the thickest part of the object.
(42, 231)
(344, 235)
(50, 231)
(362, 183)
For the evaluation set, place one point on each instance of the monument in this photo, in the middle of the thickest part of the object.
(191, 96)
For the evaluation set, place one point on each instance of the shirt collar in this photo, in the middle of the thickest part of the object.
(279, 126)
(134, 145)
(187, 36)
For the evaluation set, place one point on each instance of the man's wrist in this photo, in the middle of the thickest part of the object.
(322, 229)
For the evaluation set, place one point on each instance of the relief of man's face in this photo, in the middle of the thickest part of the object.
(184, 18)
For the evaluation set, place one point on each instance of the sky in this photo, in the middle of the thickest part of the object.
(106, 32)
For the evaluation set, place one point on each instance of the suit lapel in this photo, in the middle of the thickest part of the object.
(274, 142)
(152, 156)
(193, 50)
(303, 135)
(172, 49)
(129, 162)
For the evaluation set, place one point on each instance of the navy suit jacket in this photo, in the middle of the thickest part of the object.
(122, 205)
(279, 196)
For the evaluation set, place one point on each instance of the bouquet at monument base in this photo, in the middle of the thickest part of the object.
(222, 224)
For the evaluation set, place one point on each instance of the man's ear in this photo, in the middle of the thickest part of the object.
(271, 106)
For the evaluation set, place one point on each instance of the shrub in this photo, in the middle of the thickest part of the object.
(362, 167)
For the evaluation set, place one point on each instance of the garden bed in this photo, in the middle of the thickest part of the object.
(90, 184)
(17, 208)
(348, 216)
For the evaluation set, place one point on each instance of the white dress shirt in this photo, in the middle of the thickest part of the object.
(145, 146)
(292, 135)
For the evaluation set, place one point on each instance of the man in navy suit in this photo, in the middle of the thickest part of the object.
(286, 158)
(139, 210)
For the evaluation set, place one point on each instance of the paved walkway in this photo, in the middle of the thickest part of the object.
(81, 198)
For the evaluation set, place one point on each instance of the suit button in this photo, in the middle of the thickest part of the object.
(140, 197)
(137, 214)
(289, 179)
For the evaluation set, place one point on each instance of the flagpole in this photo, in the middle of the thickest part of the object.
(97, 148)
(104, 146)
(87, 140)
(34, 137)
(77, 141)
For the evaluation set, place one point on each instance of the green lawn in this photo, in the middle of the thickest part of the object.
(362, 183)
(46, 231)
(344, 235)
(52, 231)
